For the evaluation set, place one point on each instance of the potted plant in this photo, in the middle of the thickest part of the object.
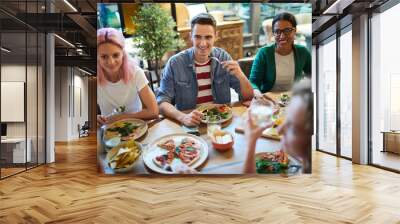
(155, 35)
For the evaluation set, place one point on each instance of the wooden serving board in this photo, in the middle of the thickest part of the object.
(264, 134)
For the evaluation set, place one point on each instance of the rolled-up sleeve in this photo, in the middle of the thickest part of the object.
(234, 82)
(166, 92)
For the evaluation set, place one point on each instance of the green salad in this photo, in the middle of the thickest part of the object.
(272, 162)
(285, 98)
(216, 114)
(126, 129)
(265, 166)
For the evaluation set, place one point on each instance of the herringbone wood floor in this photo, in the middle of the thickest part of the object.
(70, 191)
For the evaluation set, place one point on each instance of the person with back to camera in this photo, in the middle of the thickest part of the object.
(296, 131)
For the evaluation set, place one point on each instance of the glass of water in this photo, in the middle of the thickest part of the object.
(212, 127)
(261, 112)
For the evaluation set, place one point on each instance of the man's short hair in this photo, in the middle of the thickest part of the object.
(203, 19)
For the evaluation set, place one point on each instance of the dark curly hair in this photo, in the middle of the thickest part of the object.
(284, 16)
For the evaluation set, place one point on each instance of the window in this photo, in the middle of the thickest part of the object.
(22, 62)
(108, 16)
(327, 97)
(346, 93)
(301, 11)
(385, 86)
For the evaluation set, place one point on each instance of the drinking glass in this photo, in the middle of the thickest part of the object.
(212, 127)
(261, 112)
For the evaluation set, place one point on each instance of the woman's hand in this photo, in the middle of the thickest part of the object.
(101, 119)
(179, 167)
(252, 131)
(267, 100)
(116, 117)
(264, 98)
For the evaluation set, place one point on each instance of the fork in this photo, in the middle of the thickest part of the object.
(216, 59)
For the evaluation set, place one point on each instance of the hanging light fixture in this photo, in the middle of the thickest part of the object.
(5, 50)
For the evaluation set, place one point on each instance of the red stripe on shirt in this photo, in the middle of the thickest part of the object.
(204, 99)
(204, 87)
(204, 75)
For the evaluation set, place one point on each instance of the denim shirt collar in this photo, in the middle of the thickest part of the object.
(191, 61)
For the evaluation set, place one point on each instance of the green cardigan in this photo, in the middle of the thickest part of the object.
(263, 72)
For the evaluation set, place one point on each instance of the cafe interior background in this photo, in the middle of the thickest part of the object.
(248, 24)
(242, 28)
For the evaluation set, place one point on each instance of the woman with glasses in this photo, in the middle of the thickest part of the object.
(276, 67)
(122, 87)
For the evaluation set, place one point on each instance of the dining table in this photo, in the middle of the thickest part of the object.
(228, 162)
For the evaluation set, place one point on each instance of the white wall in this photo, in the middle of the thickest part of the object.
(12, 73)
(71, 94)
(34, 106)
(81, 102)
(61, 103)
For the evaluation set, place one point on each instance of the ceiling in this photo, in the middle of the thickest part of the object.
(21, 22)
(328, 13)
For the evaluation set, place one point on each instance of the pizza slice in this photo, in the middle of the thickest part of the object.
(169, 145)
(188, 152)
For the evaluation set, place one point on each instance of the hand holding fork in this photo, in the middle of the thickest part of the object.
(231, 66)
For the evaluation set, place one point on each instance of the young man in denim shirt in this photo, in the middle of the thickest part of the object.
(201, 74)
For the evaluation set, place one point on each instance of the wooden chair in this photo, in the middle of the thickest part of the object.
(246, 64)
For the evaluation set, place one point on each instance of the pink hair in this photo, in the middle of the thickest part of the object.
(113, 36)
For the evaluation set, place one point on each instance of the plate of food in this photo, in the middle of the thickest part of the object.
(272, 132)
(189, 149)
(276, 162)
(215, 113)
(123, 157)
(123, 130)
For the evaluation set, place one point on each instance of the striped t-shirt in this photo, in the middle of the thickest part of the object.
(203, 75)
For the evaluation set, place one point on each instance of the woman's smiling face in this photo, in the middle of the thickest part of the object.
(110, 57)
(284, 34)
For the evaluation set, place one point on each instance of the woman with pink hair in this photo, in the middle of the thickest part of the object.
(121, 85)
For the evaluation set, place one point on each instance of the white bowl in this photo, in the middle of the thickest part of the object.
(116, 149)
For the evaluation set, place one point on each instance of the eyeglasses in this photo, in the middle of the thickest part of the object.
(285, 31)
